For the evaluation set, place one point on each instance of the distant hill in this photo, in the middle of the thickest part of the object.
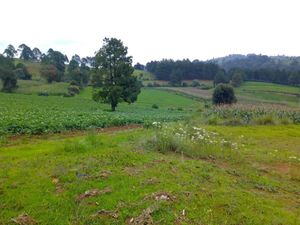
(256, 62)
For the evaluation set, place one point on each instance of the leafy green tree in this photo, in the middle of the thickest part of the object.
(10, 51)
(116, 69)
(37, 54)
(49, 72)
(139, 66)
(26, 52)
(96, 78)
(73, 65)
(76, 58)
(294, 78)
(237, 79)
(78, 75)
(176, 77)
(220, 78)
(22, 72)
(7, 74)
(223, 94)
(56, 59)
(195, 83)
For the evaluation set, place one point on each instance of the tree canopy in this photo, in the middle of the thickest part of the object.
(115, 67)
(10, 51)
(26, 52)
(7, 74)
(56, 59)
(223, 94)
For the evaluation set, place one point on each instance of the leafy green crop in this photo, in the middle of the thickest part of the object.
(30, 114)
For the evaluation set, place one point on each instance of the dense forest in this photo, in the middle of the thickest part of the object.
(280, 69)
(276, 69)
(183, 69)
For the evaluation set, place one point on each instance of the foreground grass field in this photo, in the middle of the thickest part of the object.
(31, 114)
(114, 178)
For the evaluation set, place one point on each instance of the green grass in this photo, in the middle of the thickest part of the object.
(270, 93)
(269, 87)
(42, 114)
(258, 184)
(145, 75)
(33, 68)
(36, 87)
(252, 93)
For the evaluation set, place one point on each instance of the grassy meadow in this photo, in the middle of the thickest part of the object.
(117, 178)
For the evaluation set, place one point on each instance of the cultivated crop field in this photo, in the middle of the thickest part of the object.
(31, 114)
(251, 92)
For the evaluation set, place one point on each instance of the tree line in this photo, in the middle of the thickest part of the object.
(53, 67)
(275, 69)
(176, 71)
(252, 68)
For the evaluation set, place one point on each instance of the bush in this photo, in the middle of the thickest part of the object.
(43, 93)
(73, 90)
(237, 79)
(224, 94)
(184, 84)
(205, 87)
(195, 83)
(22, 72)
(154, 106)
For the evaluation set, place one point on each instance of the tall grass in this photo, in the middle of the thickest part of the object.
(191, 141)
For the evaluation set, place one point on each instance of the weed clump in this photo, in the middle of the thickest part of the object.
(191, 141)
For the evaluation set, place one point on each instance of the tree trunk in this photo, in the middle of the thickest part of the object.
(113, 107)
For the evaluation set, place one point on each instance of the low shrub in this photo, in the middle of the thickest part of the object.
(74, 89)
(154, 106)
(43, 93)
(195, 83)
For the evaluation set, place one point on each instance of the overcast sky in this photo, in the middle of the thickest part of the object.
(155, 29)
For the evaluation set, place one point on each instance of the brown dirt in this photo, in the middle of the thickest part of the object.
(144, 219)
(92, 193)
(282, 168)
(105, 213)
(58, 185)
(24, 219)
(191, 91)
(161, 196)
(105, 174)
